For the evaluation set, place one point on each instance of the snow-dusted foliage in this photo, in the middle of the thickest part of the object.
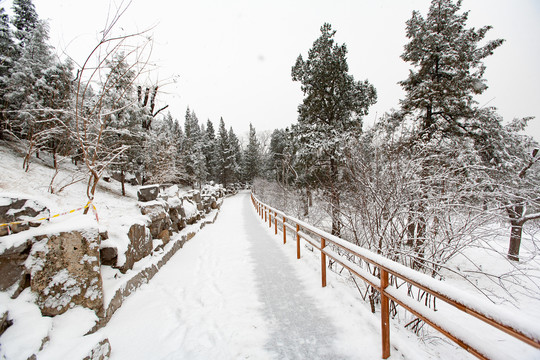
(330, 115)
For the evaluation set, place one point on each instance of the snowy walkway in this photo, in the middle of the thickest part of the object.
(235, 292)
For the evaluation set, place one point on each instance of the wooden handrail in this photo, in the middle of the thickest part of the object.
(508, 321)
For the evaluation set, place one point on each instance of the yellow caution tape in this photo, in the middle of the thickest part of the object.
(94, 210)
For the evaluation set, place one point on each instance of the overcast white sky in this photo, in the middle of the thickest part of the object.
(233, 58)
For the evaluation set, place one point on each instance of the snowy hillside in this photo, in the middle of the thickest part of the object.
(24, 330)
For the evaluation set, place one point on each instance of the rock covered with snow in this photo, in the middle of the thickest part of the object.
(64, 271)
(13, 209)
(12, 263)
(158, 213)
(101, 351)
(148, 193)
(140, 245)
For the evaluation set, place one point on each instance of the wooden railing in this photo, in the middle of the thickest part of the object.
(510, 322)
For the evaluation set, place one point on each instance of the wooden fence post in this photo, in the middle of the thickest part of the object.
(275, 222)
(323, 262)
(265, 219)
(269, 219)
(284, 231)
(385, 316)
(297, 241)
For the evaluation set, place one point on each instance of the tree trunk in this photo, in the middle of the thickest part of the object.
(55, 160)
(515, 212)
(515, 241)
(421, 230)
(123, 181)
(305, 202)
(335, 200)
(411, 227)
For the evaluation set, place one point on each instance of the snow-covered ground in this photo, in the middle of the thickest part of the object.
(233, 292)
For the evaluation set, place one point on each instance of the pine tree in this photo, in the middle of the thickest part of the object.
(7, 59)
(225, 155)
(160, 154)
(330, 114)
(447, 69)
(38, 95)
(252, 158)
(25, 20)
(194, 159)
(123, 129)
(447, 72)
(236, 156)
(281, 156)
(209, 149)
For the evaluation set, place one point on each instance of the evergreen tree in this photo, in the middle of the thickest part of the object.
(38, 95)
(225, 156)
(281, 157)
(447, 72)
(236, 156)
(7, 59)
(252, 158)
(194, 159)
(123, 129)
(160, 154)
(25, 20)
(209, 149)
(447, 69)
(330, 114)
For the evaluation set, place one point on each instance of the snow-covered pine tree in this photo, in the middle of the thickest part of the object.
(252, 156)
(209, 149)
(225, 155)
(25, 20)
(277, 162)
(236, 156)
(38, 95)
(7, 59)
(188, 144)
(122, 134)
(160, 155)
(448, 69)
(330, 114)
(194, 159)
(447, 72)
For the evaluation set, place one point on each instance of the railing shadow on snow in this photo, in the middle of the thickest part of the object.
(511, 322)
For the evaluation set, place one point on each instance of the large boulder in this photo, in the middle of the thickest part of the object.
(191, 212)
(64, 271)
(148, 193)
(140, 246)
(13, 209)
(159, 217)
(176, 213)
(12, 264)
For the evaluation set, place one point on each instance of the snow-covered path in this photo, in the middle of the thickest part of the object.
(233, 292)
(299, 330)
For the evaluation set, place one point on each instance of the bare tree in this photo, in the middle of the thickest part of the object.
(95, 111)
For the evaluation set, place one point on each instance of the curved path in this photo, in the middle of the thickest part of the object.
(235, 292)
